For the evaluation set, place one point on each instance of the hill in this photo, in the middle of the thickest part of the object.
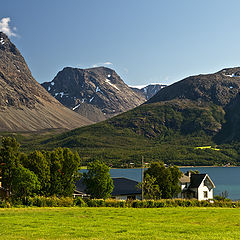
(24, 104)
(96, 93)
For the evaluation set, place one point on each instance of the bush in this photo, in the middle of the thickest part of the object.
(115, 203)
(79, 202)
(160, 204)
(66, 202)
(95, 203)
(5, 204)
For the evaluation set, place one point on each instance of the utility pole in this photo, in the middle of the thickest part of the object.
(142, 177)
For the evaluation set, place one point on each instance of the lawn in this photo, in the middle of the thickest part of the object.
(120, 223)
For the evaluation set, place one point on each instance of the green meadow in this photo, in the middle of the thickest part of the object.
(120, 223)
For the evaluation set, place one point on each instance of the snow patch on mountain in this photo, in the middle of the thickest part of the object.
(76, 107)
(2, 41)
(109, 82)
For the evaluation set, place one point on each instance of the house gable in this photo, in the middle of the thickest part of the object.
(200, 187)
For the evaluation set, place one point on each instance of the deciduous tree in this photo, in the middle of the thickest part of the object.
(25, 183)
(9, 161)
(167, 178)
(98, 180)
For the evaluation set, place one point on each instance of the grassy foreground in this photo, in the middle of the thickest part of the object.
(120, 223)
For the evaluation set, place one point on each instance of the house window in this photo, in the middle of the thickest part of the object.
(205, 194)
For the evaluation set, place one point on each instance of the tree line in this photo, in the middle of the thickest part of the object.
(44, 173)
(54, 173)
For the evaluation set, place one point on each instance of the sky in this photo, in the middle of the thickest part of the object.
(144, 41)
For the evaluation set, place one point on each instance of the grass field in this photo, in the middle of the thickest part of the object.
(120, 223)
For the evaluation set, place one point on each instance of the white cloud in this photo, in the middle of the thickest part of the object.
(107, 63)
(102, 64)
(5, 28)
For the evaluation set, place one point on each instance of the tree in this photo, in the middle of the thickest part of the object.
(25, 182)
(70, 170)
(150, 188)
(175, 176)
(98, 180)
(9, 161)
(64, 171)
(167, 178)
(39, 164)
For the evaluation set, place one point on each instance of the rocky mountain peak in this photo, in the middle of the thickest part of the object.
(230, 72)
(219, 88)
(97, 93)
(7, 46)
(150, 90)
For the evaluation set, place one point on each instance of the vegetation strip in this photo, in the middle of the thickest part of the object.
(41, 201)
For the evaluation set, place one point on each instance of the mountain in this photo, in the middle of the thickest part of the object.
(219, 88)
(172, 126)
(96, 93)
(24, 104)
(149, 90)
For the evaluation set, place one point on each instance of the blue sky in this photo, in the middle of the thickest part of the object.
(145, 41)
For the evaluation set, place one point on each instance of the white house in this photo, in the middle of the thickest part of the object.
(199, 186)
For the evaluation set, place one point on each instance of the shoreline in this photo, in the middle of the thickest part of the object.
(185, 167)
(207, 166)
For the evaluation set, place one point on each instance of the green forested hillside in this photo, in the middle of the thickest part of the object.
(168, 131)
(198, 111)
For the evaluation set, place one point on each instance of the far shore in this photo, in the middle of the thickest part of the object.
(206, 166)
(183, 167)
(85, 167)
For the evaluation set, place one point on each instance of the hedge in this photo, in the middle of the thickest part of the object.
(40, 201)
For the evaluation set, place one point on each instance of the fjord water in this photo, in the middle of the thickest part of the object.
(224, 178)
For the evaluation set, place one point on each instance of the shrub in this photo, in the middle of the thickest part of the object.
(160, 204)
(80, 202)
(115, 203)
(5, 204)
(66, 202)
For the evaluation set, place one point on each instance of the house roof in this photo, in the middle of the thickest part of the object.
(80, 186)
(184, 179)
(125, 186)
(196, 180)
(122, 186)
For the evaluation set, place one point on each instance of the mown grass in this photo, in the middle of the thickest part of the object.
(120, 223)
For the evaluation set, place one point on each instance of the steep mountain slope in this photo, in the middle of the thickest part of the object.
(197, 111)
(24, 104)
(150, 90)
(96, 93)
